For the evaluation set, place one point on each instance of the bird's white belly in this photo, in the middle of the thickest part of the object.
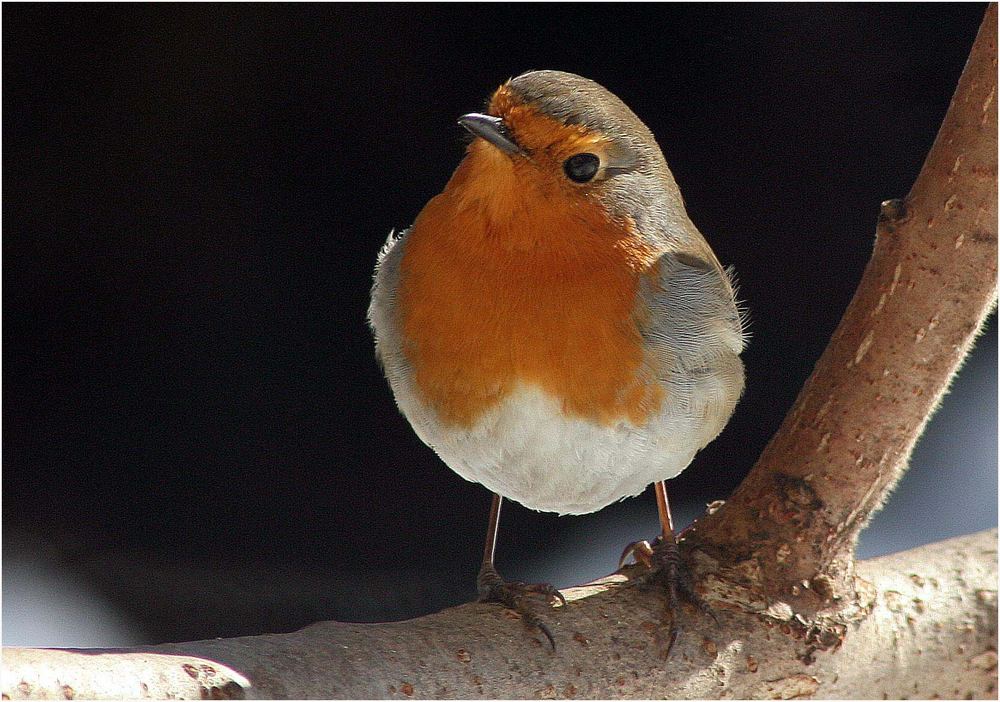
(529, 450)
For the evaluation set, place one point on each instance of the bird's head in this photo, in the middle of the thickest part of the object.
(557, 138)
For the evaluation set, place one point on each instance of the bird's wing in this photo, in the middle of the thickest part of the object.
(693, 318)
(694, 332)
(382, 308)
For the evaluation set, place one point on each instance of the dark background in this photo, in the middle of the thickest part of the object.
(197, 439)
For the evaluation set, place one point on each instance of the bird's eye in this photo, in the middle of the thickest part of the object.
(581, 167)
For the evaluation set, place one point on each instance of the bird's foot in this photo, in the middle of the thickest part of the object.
(667, 568)
(515, 596)
(640, 551)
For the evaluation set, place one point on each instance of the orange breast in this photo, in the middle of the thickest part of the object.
(507, 281)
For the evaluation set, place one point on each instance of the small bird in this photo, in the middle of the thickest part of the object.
(553, 325)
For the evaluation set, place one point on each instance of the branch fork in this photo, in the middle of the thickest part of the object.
(799, 617)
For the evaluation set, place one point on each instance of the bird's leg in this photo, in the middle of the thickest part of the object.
(493, 588)
(663, 558)
(643, 551)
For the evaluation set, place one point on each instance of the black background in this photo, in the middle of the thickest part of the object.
(193, 200)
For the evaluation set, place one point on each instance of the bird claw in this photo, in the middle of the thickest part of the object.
(546, 591)
(640, 551)
(665, 565)
(513, 596)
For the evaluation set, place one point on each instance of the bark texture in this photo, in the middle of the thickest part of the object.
(798, 617)
(930, 630)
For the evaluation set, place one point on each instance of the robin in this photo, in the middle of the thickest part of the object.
(553, 325)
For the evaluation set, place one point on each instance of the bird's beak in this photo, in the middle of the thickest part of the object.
(492, 129)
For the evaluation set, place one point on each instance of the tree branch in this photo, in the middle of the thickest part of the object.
(776, 560)
(924, 295)
(931, 630)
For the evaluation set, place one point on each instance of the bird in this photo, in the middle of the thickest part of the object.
(553, 325)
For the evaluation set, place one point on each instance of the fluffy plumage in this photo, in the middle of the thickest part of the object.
(563, 344)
